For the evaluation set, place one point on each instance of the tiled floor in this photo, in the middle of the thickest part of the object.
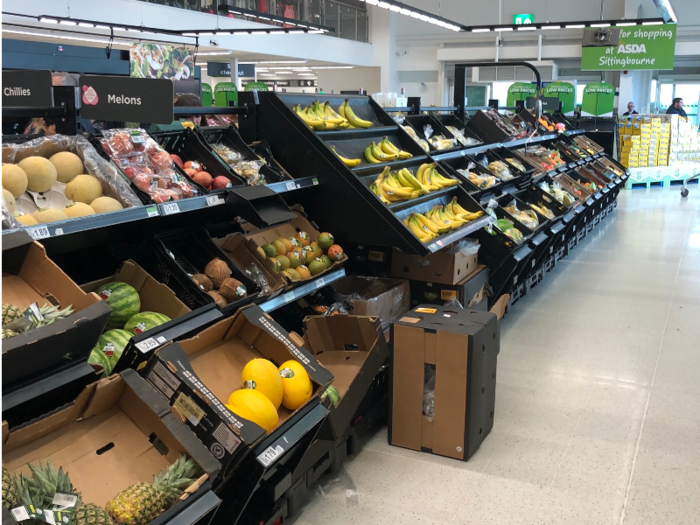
(598, 398)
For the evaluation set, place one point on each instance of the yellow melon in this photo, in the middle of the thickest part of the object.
(9, 199)
(84, 188)
(253, 406)
(78, 209)
(25, 219)
(67, 165)
(41, 174)
(296, 384)
(106, 204)
(44, 215)
(262, 375)
(14, 180)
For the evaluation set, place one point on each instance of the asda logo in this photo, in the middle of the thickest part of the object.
(632, 48)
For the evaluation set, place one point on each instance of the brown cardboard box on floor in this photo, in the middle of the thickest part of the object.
(459, 349)
(386, 299)
(470, 292)
(438, 267)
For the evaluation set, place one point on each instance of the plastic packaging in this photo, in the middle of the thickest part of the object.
(250, 171)
(526, 217)
(428, 131)
(452, 302)
(543, 210)
(253, 271)
(465, 246)
(429, 391)
(482, 182)
(500, 170)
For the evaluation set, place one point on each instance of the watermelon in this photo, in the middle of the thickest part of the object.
(333, 394)
(124, 300)
(144, 321)
(98, 357)
(112, 343)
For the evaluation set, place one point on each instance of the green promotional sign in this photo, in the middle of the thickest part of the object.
(225, 92)
(206, 95)
(520, 91)
(523, 19)
(566, 94)
(629, 48)
(598, 100)
(252, 86)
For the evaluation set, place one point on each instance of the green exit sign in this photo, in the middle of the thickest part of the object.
(522, 19)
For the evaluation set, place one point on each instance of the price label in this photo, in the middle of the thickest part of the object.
(214, 200)
(314, 181)
(320, 282)
(171, 208)
(291, 186)
(288, 297)
(147, 345)
(41, 232)
(268, 457)
(64, 501)
(152, 211)
(58, 231)
(20, 514)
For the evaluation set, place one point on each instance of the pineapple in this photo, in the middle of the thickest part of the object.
(6, 334)
(10, 497)
(52, 314)
(90, 514)
(143, 502)
(9, 313)
(46, 481)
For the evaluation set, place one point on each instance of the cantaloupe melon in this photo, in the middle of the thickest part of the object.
(41, 174)
(78, 209)
(14, 180)
(25, 219)
(67, 165)
(44, 215)
(106, 204)
(84, 188)
(9, 199)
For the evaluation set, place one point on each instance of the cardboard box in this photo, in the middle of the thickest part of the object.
(197, 376)
(119, 431)
(386, 299)
(471, 292)
(243, 252)
(287, 230)
(459, 349)
(353, 349)
(29, 276)
(438, 267)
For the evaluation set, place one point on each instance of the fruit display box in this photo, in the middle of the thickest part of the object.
(459, 349)
(419, 124)
(182, 255)
(472, 292)
(352, 145)
(287, 230)
(198, 375)
(29, 277)
(118, 432)
(438, 267)
(483, 184)
(363, 107)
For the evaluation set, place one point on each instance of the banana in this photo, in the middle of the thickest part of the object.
(418, 185)
(341, 110)
(427, 223)
(375, 190)
(348, 162)
(403, 155)
(369, 157)
(440, 180)
(353, 119)
(400, 193)
(381, 156)
(421, 169)
(329, 112)
(426, 179)
(385, 172)
(416, 229)
(388, 147)
(318, 111)
(309, 121)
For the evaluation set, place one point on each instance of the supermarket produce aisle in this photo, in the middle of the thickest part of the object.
(597, 403)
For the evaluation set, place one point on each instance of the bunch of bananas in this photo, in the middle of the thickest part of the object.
(351, 163)
(348, 114)
(429, 176)
(321, 116)
(397, 186)
(439, 220)
(385, 151)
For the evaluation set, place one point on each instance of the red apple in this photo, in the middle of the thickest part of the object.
(203, 178)
(193, 164)
(130, 172)
(161, 160)
(143, 182)
(160, 196)
(177, 160)
(190, 172)
(186, 189)
(220, 182)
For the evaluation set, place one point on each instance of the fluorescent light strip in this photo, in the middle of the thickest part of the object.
(600, 25)
(551, 27)
(501, 29)
(48, 20)
(625, 24)
(481, 30)
(575, 26)
(527, 28)
(213, 53)
(656, 23)
(62, 37)
(332, 67)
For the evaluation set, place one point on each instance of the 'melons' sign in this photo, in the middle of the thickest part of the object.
(126, 99)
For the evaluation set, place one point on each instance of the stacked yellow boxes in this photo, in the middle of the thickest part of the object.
(647, 151)
(664, 142)
(629, 152)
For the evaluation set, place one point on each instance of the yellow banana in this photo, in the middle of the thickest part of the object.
(413, 181)
(404, 181)
(388, 193)
(410, 222)
(312, 123)
(403, 155)
(348, 162)
(380, 155)
(420, 171)
(369, 157)
(353, 119)
(425, 234)
(427, 223)
(385, 172)
(388, 147)
(329, 112)
(428, 180)
(441, 180)
(341, 110)
(378, 193)
(402, 193)
(318, 111)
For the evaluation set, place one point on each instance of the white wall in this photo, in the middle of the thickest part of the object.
(337, 80)
(420, 64)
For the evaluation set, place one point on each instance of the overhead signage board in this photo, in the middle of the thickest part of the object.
(292, 82)
(125, 99)
(223, 69)
(629, 48)
(161, 61)
(27, 88)
(523, 19)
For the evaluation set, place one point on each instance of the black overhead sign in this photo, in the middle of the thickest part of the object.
(126, 99)
(292, 82)
(223, 69)
(27, 88)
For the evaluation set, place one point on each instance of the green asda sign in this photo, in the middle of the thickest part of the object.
(598, 100)
(629, 48)
(206, 97)
(566, 94)
(520, 91)
(253, 86)
(523, 19)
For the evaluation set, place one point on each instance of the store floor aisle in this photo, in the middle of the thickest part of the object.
(597, 404)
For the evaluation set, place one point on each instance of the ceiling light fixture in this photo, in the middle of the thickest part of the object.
(575, 26)
(625, 24)
(502, 28)
(552, 27)
(601, 25)
(481, 30)
(332, 67)
(527, 28)
(657, 23)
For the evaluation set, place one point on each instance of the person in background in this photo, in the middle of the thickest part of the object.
(190, 101)
(48, 127)
(677, 108)
(630, 110)
(34, 126)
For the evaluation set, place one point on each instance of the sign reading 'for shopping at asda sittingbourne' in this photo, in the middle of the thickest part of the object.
(629, 48)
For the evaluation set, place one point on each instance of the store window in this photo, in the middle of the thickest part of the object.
(579, 93)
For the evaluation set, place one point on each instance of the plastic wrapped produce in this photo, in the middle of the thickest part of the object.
(525, 217)
(543, 210)
(500, 170)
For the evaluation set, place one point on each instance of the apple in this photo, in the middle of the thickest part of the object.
(160, 196)
(177, 160)
(161, 160)
(203, 178)
(130, 172)
(196, 166)
(190, 172)
(143, 182)
(220, 182)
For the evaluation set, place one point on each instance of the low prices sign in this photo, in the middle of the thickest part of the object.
(598, 100)
(633, 48)
(520, 91)
(566, 94)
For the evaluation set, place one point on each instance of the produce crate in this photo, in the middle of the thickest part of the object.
(181, 254)
(419, 122)
(452, 165)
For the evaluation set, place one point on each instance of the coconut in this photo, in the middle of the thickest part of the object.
(232, 289)
(203, 282)
(218, 298)
(217, 270)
